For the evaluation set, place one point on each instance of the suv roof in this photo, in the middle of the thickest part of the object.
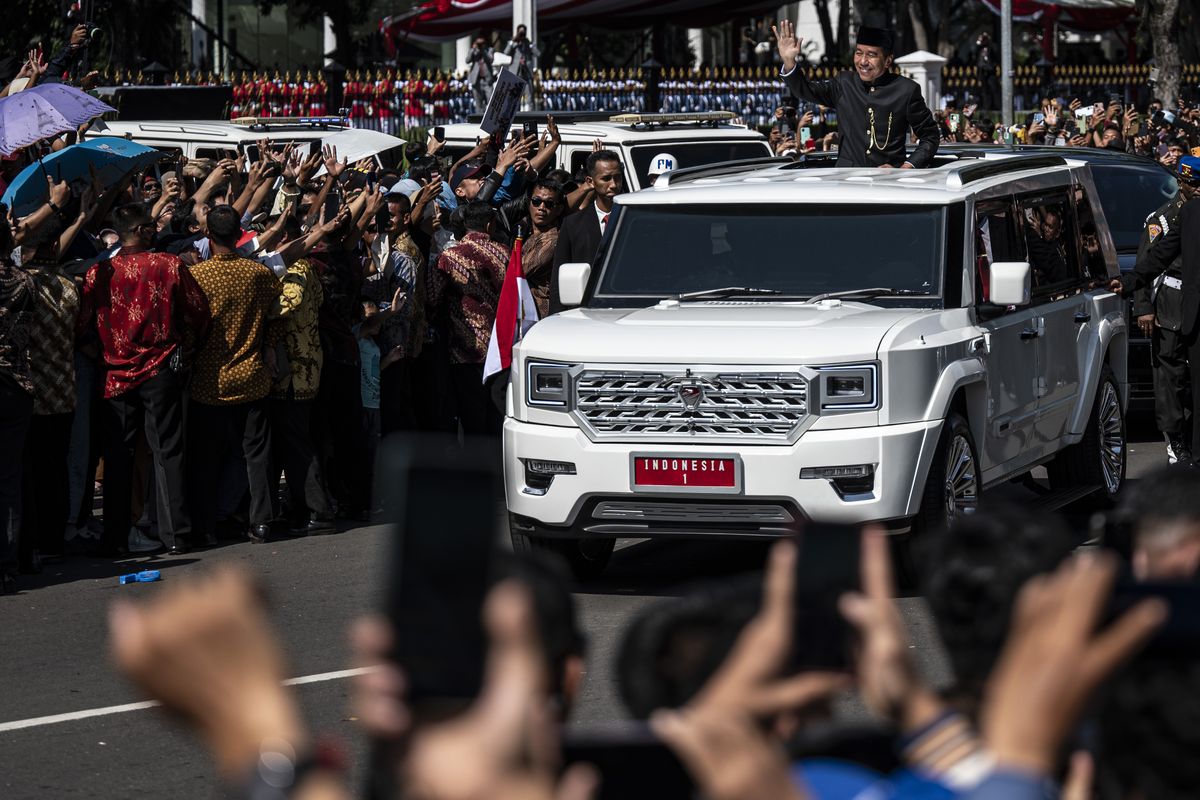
(756, 181)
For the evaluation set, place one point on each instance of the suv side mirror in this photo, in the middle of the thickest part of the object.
(1009, 283)
(572, 282)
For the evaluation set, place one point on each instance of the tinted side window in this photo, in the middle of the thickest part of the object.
(995, 241)
(1050, 241)
(1089, 238)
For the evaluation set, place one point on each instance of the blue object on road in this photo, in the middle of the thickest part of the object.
(112, 157)
(145, 576)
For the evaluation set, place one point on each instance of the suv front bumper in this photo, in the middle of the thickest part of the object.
(599, 498)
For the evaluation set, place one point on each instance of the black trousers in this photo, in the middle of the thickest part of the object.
(44, 489)
(212, 432)
(477, 413)
(292, 452)
(396, 407)
(1170, 361)
(16, 409)
(1191, 342)
(155, 407)
(337, 434)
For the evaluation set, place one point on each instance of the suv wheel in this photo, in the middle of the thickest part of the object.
(1099, 458)
(951, 490)
(587, 558)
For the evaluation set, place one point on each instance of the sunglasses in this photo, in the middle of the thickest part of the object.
(538, 202)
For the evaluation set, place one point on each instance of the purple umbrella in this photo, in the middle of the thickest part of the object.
(75, 104)
(47, 110)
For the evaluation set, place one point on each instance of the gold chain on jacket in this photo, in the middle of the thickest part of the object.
(873, 141)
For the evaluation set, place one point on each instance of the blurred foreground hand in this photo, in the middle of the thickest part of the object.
(204, 649)
(504, 747)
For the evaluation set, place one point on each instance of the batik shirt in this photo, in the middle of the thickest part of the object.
(52, 345)
(537, 262)
(230, 367)
(298, 305)
(466, 287)
(16, 300)
(142, 306)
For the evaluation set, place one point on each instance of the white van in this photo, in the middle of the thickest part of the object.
(648, 144)
(220, 139)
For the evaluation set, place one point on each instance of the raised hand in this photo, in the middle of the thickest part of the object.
(512, 154)
(788, 43)
(719, 734)
(1055, 658)
(308, 167)
(59, 192)
(330, 157)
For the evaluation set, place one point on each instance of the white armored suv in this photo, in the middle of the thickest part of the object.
(758, 345)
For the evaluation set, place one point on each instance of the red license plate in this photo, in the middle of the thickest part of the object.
(676, 471)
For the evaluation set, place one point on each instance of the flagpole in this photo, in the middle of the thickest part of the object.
(520, 303)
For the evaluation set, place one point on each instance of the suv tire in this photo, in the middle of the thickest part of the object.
(587, 558)
(952, 488)
(1099, 459)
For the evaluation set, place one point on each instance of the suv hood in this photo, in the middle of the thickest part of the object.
(715, 333)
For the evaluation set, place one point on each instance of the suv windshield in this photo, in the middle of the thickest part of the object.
(1128, 196)
(694, 154)
(799, 250)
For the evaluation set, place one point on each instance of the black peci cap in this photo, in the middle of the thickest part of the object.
(876, 37)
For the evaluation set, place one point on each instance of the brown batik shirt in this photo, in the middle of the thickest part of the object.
(230, 367)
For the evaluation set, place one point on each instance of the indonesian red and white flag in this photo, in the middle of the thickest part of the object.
(515, 315)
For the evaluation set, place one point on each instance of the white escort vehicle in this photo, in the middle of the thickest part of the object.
(757, 346)
(647, 144)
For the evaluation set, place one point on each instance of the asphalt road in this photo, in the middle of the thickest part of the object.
(53, 656)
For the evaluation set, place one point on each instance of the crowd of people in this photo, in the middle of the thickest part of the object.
(1152, 131)
(189, 339)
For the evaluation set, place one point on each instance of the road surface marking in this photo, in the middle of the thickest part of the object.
(36, 722)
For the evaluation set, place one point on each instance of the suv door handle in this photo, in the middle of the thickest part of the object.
(1082, 316)
(1030, 333)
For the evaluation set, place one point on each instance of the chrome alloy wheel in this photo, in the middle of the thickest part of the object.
(962, 479)
(1112, 438)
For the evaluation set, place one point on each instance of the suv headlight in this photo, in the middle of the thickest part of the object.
(853, 387)
(548, 385)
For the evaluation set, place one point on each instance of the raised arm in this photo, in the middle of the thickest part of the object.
(822, 92)
(1156, 259)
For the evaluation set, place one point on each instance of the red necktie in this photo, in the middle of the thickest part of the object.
(604, 224)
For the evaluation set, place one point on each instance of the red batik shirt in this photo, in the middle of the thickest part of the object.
(142, 305)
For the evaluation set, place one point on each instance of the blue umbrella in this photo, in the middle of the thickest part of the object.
(112, 157)
(48, 110)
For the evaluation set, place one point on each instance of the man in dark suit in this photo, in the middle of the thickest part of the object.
(875, 106)
(1182, 241)
(581, 232)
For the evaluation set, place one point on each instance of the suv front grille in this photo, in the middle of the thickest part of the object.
(691, 407)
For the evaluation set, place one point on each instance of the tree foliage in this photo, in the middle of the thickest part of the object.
(132, 33)
(345, 16)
